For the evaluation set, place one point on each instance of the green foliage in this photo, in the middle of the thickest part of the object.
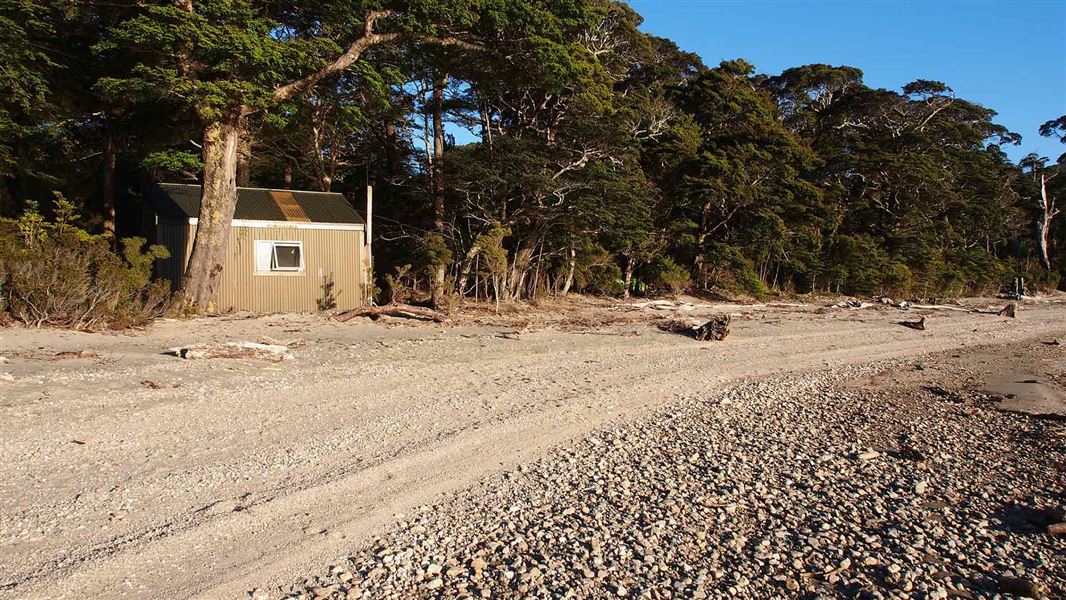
(672, 276)
(54, 273)
(398, 284)
(597, 272)
(168, 165)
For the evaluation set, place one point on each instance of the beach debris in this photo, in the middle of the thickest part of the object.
(851, 304)
(271, 352)
(148, 383)
(917, 325)
(1010, 310)
(406, 311)
(716, 329)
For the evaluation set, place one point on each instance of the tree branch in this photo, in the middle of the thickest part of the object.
(343, 61)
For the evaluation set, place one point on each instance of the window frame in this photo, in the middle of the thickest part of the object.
(274, 270)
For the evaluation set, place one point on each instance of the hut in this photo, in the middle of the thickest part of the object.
(288, 251)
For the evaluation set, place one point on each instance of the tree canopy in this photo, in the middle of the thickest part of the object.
(594, 157)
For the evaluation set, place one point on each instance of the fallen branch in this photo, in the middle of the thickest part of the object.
(942, 307)
(393, 310)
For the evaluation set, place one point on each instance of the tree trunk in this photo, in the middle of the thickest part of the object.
(217, 203)
(244, 160)
(108, 195)
(571, 266)
(438, 152)
(1047, 213)
(522, 259)
(437, 180)
(392, 151)
(464, 271)
(627, 280)
(701, 242)
(486, 124)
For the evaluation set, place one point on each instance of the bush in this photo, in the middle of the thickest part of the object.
(673, 276)
(58, 274)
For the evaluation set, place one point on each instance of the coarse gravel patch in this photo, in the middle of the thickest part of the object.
(802, 486)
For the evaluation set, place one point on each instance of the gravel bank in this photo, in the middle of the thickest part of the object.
(851, 482)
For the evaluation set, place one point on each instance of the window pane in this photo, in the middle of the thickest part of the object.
(287, 257)
(264, 255)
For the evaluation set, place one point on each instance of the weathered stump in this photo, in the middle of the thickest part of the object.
(715, 329)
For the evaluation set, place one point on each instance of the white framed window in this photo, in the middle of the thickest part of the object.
(276, 256)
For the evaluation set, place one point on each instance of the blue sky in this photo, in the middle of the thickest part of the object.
(1008, 56)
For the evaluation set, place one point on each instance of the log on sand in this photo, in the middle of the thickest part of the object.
(233, 350)
(393, 310)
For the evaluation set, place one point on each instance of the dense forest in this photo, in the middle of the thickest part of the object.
(594, 157)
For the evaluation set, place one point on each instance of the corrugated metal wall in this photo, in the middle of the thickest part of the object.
(328, 253)
(178, 241)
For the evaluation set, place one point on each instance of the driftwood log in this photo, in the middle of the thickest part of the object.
(715, 329)
(393, 310)
(233, 350)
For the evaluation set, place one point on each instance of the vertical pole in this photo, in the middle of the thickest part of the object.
(368, 248)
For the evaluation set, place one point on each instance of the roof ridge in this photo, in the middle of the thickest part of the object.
(242, 187)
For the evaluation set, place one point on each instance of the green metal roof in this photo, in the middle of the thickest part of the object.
(182, 201)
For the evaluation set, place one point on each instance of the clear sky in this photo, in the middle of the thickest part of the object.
(1007, 56)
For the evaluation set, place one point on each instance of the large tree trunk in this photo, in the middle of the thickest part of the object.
(219, 199)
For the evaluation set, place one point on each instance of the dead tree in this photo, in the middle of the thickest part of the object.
(1048, 211)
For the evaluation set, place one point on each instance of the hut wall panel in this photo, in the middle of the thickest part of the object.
(335, 254)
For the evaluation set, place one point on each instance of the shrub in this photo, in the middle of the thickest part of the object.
(897, 279)
(673, 276)
(58, 274)
(734, 272)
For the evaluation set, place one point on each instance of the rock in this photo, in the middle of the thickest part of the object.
(434, 583)
(1020, 586)
(868, 455)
